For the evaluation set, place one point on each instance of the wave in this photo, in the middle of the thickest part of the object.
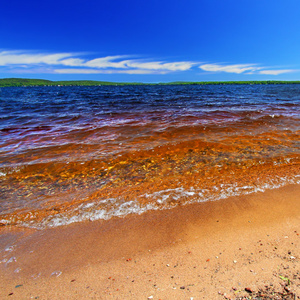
(159, 200)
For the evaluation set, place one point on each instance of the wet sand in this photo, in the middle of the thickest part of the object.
(228, 249)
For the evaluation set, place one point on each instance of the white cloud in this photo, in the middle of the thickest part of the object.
(24, 58)
(242, 68)
(107, 62)
(275, 72)
(111, 62)
(141, 71)
(72, 62)
(158, 65)
(237, 68)
(77, 71)
(21, 60)
(97, 71)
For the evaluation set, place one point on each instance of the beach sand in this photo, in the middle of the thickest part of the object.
(228, 249)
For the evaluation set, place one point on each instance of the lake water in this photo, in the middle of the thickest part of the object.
(70, 154)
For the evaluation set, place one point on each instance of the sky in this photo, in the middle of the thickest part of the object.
(150, 41)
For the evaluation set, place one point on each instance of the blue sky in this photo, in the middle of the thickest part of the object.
(150, 41)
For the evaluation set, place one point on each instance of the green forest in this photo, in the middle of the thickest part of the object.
(6, 82)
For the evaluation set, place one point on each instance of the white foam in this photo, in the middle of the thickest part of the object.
(56, 273)
(12, 259)
(164, 199)
(10, 248)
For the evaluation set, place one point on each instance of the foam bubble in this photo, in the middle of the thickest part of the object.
(163, 199)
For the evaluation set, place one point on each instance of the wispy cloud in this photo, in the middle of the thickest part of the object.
(8, 58)
(115, 62)
(158, 65)
(275, 72)
(243, 69)
(94, 71)
(72, 63)
(20, 61)
(237, 68)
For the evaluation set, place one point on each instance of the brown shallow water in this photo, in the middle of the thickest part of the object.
(217, 165)
(131, 162)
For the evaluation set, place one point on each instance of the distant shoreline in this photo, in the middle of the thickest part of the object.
(21, 82)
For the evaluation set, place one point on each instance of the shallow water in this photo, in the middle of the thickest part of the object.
(70, 154)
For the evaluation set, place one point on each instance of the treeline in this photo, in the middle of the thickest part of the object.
(6, 82)
(41, 82)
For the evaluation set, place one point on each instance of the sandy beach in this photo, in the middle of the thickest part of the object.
(244, 247)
